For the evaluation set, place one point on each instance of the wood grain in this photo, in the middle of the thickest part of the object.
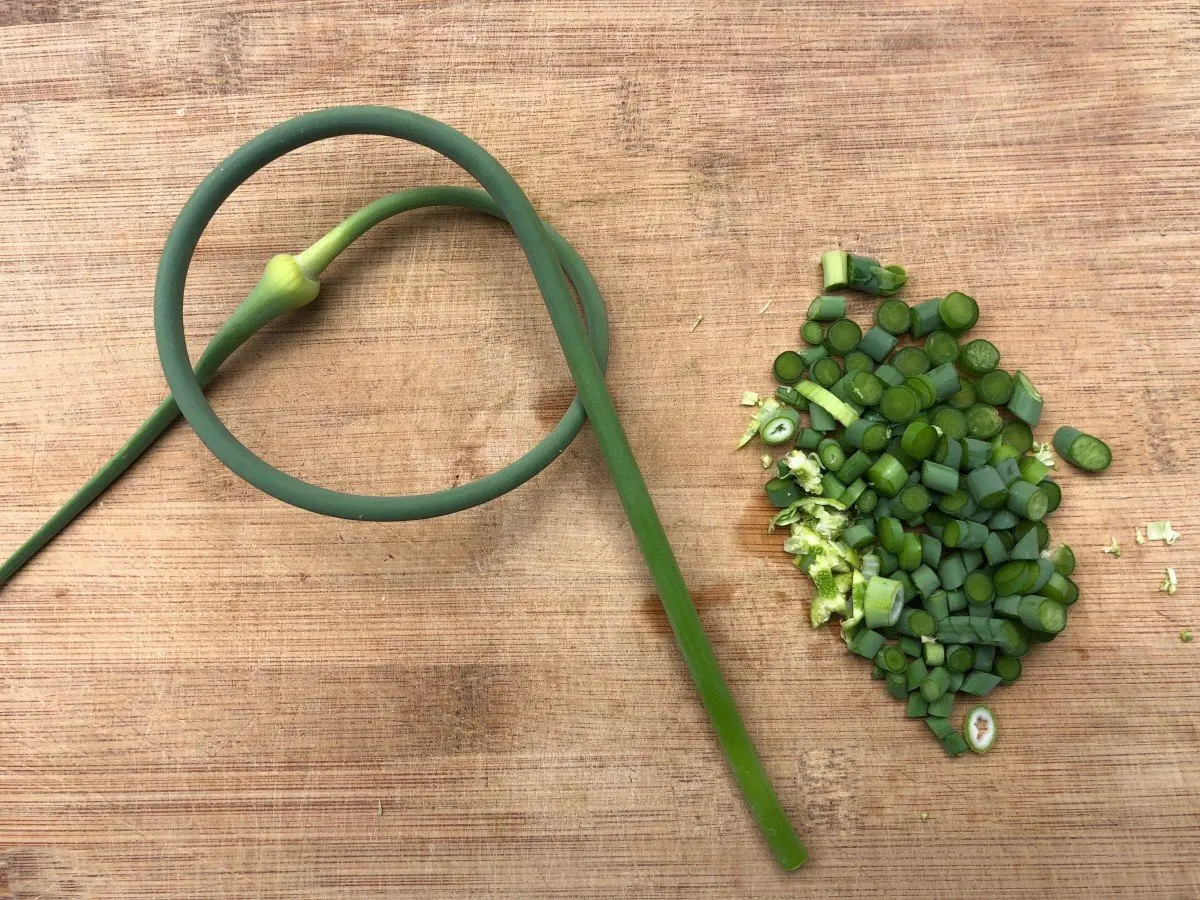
(205, 693)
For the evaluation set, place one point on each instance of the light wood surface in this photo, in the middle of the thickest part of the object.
(205, 693)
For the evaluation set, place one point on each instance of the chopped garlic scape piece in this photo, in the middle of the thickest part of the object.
(1161, 531)
(1169, 583)
(806, 469)
(979, 728)
(766, 407)
(1044, 455)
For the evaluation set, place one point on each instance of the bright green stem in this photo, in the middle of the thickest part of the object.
(284, 286)
(316, 258)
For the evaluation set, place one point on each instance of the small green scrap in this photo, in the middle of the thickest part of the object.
(1113, 548)
(1139, 537)
(1045, 455)
(805, 468)
(1170, 582)
(1186, 636)
(1161, 531)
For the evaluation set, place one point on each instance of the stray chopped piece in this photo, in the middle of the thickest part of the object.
(1161, 531)
(1169, 582)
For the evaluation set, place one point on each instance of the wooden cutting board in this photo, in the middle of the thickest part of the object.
(205, 693)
